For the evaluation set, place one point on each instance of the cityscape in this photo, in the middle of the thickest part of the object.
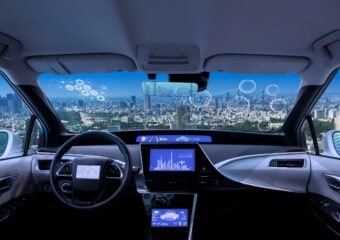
(14, 116)
(172, 160)
(240, 109)
(82, 106)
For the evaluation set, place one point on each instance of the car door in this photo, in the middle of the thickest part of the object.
(321, 140)
(19, 136)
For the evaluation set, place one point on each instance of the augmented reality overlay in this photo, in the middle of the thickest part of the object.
(120, 101)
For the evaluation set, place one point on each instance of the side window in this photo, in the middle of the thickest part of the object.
(326, 113)
(14, 121)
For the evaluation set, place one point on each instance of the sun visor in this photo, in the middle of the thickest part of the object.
(82, 63)
(256, 64)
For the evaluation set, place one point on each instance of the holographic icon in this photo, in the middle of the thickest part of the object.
(272, 90)
(247, 86)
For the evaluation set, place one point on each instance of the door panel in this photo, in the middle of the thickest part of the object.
(324, 190)
(15, 178)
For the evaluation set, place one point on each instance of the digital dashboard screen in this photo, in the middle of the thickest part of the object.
(172, 160)
(174, 139)
(88, 172)
(169, 218)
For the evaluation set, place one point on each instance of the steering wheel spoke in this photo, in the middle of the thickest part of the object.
(115, 172)
(65, 170)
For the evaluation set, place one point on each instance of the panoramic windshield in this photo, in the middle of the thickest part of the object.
(129, 101)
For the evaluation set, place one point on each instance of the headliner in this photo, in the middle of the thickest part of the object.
(269, 27)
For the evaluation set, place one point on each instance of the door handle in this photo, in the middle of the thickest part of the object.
(333, 182)
(6, 183)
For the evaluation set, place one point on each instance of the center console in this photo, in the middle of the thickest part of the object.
(172, 175)
(180, 167)
(170, 216)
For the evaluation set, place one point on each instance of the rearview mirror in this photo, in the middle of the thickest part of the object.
(169, 89)
(10, 145)
(331, 143)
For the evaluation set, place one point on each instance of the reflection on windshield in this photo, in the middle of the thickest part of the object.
(116, 102)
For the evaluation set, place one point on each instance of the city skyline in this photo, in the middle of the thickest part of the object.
(128, 84)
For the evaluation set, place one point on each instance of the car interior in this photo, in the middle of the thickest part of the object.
(163, 120)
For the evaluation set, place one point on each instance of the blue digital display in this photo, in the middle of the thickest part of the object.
(172, 160)
(169, 218)
(173, 139)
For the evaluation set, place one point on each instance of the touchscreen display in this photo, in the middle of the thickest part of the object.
(88, 172)
(172, 160)
(169, 218)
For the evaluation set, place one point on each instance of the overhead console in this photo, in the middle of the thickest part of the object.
(181, 167)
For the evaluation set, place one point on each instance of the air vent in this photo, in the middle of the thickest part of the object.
(287, 163)
(44, 164)
(168, 57)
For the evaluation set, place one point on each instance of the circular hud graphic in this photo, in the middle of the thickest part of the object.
(273, 90)
(201, 99)
(247, 86)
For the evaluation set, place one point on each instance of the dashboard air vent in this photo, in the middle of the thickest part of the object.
(287, 163)
(44, 164)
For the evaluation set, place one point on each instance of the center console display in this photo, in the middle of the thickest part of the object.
(172, 160)
(169, 218)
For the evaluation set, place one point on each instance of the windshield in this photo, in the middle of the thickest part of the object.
(124, 101)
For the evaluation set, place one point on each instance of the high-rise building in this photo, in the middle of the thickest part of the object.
(81, 103)
(228, 96)
(123, 104)
(17, 103)
(183, 117)
(10, 103)
(319, 114)
(217, 104)
(147, 103)
(133, 101)
(3, 106)
(332, 113)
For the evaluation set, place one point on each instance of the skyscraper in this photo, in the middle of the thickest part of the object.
(228, 96)
(10, 103)
(17, 103)
(217, 104)
(183, 117)
(81, 104)
(133, 101)
(147, 103)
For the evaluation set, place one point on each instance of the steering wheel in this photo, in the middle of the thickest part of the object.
(90, 182)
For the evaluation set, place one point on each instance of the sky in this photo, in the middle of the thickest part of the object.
(4, 87)
(128, 84)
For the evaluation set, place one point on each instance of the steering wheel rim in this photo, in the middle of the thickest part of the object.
(124, 181)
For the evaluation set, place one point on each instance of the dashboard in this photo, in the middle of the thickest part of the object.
(191, 163)
(170, 171)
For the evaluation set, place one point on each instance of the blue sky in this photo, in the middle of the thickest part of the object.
(4, 87)
(128, 84)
